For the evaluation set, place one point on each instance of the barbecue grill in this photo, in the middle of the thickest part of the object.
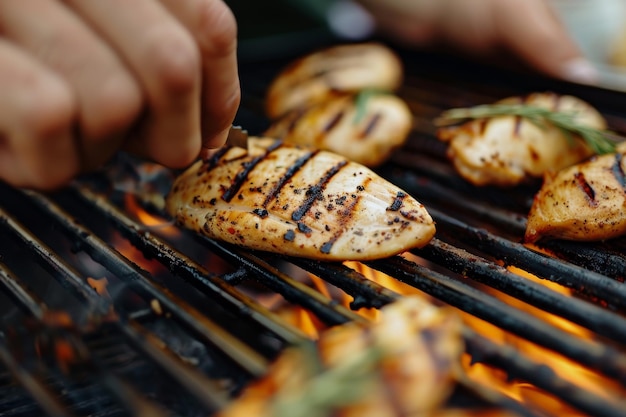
(109, 309)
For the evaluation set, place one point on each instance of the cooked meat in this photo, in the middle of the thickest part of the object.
(364, 128)
(418, 349)
(584, 202)
(343, 68)
(298, 201)
(508, 150)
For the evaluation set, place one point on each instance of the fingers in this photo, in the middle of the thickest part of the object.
(108, 98)
(214, 28)
(37, 112)
(532, 30)
(165, 59)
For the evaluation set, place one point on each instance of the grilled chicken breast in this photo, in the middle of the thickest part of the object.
(344, 68)
(364, 128)
(419, 349)
(584, 202)
(508, 150)
(298, 201)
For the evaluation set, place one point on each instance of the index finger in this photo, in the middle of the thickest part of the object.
(214, 28)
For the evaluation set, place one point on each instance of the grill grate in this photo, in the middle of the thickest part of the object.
(186, 330)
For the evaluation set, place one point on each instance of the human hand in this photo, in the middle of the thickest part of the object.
(528, 28)
(80, 79)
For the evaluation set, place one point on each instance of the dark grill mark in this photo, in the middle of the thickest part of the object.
(397, 202)
(326, 247)
(586, 188)
(210, 163)
(295, 167)
(294, 121)
(290, 235)
(371, 124)
(346, 215)
(241, 176)
(483, 126)
(333, 122)
(261, 212)
(518, 125)
(304, 228)
(315, 191)
(618, 172)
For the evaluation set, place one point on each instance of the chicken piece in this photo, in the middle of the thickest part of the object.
(508, 150)
(298, 201)
(344, 68)
(416, 351)
(585, 202)
(365, 128)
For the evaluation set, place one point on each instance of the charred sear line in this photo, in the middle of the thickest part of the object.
(241, 176)
(293, 169)
(346, 216)
(586, 188)
(482, 126)
(371, 125)
(334, 121)
(261, 212)
(315, 191)
(517, 126)
(397, 202)
(212, 162)
(297, 115)
(618, 171)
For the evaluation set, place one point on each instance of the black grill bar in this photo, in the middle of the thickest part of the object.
(194, 273)
(565, 273)
(506, 357)
(522, 368)
(591, 316)
(600, 357)
(203, 389)
(125, 394)
(110, 258)
(327, 310)
(481, 349)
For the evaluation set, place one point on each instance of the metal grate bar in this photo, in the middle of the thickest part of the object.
(603, 358)
(194, 273)
(561, 272)
(125, 394)
(591, 316)
(209, 395)
(141, 281)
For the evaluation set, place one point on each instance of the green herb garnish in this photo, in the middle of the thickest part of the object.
(600, 141)
(327, 389)
(361, 99)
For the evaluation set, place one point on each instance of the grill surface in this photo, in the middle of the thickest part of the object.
(185, 331)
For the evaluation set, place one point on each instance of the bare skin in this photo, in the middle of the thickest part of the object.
(80, 79)
(158, 78)
(529, 29)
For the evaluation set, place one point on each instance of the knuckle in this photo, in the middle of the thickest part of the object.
(46, 109)
(217, 27)
(175, 62)
(114, 107)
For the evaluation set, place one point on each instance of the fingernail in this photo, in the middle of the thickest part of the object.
(581, 71)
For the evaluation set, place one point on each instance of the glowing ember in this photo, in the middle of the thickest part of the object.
(99, 285)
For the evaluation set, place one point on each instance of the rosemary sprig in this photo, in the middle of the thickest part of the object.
(600, 141)
(326, 389)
